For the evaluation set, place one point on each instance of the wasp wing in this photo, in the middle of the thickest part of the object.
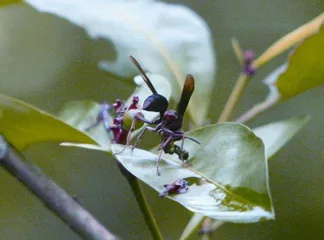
(188, 88)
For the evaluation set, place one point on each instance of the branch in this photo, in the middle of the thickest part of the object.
(54, 197)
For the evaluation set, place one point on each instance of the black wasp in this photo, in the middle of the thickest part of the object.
(169, 123)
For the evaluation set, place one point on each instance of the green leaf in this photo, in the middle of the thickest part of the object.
(82, 114)
(305, 69)
(231, 159)
(276, 135)
(7, 2)
(167, 39)
(23, 125)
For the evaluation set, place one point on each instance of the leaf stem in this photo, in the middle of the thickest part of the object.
(54, 197)
(234, 97)
(257, 109)
(142, 202)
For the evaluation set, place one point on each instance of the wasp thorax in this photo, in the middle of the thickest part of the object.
(170, 115)
(155, 103)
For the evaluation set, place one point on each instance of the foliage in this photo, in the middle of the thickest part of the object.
(24, 125)
(231, 160)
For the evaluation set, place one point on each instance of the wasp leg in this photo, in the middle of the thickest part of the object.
(128, 139)
(157, 164)
(140, 136)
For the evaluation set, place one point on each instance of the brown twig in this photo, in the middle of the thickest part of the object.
(54, 197)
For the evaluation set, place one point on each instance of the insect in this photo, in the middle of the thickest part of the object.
(169, 123)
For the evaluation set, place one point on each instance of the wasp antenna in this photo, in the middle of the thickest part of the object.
(143, 74)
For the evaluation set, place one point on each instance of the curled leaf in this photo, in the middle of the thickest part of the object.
(167, 39)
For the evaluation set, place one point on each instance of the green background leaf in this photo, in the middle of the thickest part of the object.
(81, 115)
(171, 48)
(275, 135)
(58, 53)
(7, 2)
(231, 158)
(23, 125)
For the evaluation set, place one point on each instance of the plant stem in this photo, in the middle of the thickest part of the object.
(54, 197)
(234, 97)
(257, 109)
(142, 202)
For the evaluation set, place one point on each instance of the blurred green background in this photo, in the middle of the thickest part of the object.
(47, 61)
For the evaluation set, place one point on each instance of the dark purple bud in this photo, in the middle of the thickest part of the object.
(249, 56)
(156, 103)
(134, 103)
(120, 135)
(177, 187)
(248, 69)
(135, 99)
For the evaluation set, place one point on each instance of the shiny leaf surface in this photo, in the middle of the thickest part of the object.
(274, 136)
(230, 158)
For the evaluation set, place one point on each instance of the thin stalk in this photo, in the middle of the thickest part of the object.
(142, 202)
(257, 109)
(234, 97)
(54, 197)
